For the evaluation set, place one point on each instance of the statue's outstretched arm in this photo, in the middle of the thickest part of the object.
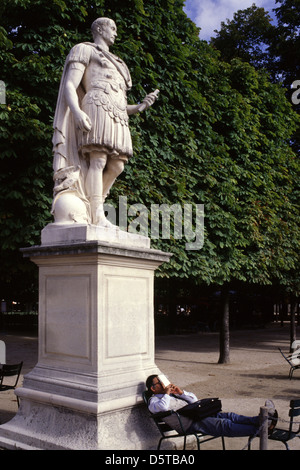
(145, 104)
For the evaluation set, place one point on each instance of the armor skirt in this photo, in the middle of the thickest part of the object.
(108, 114)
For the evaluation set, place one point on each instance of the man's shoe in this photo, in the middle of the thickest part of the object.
(273, 424)
(273, 415)
(270, 404)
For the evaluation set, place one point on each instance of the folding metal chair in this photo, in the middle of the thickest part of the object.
(167, 432)
(293, 360)
(286, 435)
(9, 371)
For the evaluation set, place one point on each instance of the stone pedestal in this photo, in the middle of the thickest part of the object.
(96, 345)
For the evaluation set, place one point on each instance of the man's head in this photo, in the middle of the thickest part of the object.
(154, 385)
(106, 28)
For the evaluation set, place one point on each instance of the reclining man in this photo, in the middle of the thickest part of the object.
(222, 424)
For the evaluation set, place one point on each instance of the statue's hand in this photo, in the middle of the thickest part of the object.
(83, 122)
(148, 100)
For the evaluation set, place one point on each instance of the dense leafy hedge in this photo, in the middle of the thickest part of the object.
(218, 135)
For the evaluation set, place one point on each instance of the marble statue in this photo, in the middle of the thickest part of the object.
(91, 141)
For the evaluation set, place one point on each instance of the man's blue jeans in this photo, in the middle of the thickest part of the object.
(227, 424)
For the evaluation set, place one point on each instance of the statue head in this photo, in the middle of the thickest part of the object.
(98, 24)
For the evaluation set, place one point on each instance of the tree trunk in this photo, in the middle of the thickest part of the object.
(293, 324)
(224, 330)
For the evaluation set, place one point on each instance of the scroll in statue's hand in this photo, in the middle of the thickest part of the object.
(148, 100)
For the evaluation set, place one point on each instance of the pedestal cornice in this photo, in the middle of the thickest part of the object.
(96, 248)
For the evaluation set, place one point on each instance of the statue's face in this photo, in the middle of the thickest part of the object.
(109, 33)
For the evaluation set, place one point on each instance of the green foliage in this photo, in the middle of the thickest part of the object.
(218, 135)
(252, 37)
(285, 47)
(246, 36)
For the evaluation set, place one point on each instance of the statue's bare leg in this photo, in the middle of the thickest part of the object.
(94, 186)
(113, 169)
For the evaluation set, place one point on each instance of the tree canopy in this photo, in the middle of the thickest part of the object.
(252, 36)
(246, 36)
(219, 135)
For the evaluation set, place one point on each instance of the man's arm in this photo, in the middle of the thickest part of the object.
(158, 405)
(189, 397)
(73, 80)
(146, 103)
(161, 403)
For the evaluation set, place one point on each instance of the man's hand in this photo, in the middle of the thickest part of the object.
(83, 122)
(176, 390)
(148, 100)
(171, 388)
(146, 103)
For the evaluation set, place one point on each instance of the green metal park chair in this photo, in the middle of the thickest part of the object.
(293, 431)
(168, 433)
(12, 370)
